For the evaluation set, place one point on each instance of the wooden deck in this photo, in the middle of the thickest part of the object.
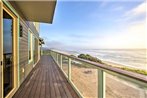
(45, 81)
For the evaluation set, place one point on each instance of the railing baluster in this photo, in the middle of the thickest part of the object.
(57, 58)
(53, 54)
(69, 69)
(143, 93)
(50, 53)
(61, 61)
(54, 57)
(101, 84)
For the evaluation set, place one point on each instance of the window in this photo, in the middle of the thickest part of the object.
(30, 48)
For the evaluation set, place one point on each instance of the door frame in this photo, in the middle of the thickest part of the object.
(1, 51)
(5, 6)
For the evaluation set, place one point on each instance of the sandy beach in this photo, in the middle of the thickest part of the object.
(86, 80)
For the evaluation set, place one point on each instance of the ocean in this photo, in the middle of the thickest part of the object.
(133, 58)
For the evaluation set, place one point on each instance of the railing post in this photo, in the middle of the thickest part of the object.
(101, 84)
(57, 58)
(61, 61)
(50, 53)
(142, 93)
(54, 55)
(69, 69)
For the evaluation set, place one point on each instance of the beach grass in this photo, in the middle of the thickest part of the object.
(144, 72)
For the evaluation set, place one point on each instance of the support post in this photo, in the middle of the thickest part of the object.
(54, 55)
(69, 69)
(61, 61)
(101, 84)
(57, 58)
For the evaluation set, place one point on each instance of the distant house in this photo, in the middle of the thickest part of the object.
(19, 40)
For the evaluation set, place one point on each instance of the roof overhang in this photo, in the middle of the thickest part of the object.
(36, 10)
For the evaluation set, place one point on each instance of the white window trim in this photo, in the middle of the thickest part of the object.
(31, 45)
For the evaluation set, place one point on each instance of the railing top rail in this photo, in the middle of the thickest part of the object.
(136, 76)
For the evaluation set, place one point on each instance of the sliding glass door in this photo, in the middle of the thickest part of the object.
(1, 50)
(8, 67)
(8, 51)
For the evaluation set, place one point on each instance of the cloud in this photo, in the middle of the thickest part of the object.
(134, 15)
(103, 3)
(119, 8)
(54, 44)
(130, 35)
(138, 27)
(133, 36)
(59, 45)
(136, 12)
(85, 35)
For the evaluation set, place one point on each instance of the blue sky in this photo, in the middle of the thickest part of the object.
(96, 25)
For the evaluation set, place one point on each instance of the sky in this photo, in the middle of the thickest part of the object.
(99, 24)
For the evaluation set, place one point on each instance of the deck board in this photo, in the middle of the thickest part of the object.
(45, 81)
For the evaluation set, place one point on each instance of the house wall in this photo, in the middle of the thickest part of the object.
(24, 67)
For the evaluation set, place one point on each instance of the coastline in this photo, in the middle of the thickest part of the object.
(131, 68)
(134, 58)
